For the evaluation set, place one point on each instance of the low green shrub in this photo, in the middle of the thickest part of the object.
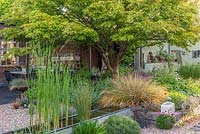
(178, 98)
(125, 69)
(190, 71)
(165, 121)
(83, 73)
(165, 77)
(121, 125)
(188, 87)
(106, 74)
(100, 86)
(194, 87)
(89, 128)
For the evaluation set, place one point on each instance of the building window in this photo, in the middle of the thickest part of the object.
(6, 57)
(196, 54)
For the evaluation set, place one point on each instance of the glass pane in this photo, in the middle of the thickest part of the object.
(4, 50)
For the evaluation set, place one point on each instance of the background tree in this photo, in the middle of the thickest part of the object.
(110, 26)
(4, 6)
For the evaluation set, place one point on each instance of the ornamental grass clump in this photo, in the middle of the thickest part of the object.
(121, 125)
(129, 91)
(82, 98)
(190, 71)
(89, 128)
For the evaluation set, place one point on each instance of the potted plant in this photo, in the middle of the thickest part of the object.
(169, 58)
(24, 101)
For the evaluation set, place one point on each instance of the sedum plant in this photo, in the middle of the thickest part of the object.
(130, 91)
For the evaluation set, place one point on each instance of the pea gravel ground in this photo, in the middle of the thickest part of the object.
(186, 129)
(11, 119)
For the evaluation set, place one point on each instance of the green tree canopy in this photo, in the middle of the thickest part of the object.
(110, 26)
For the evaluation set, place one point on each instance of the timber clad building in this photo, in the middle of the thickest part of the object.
(71, 54)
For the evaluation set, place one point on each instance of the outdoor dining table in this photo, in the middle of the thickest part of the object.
(19, 74)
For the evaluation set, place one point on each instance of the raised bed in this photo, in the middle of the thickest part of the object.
(100, 119)
(147, 118)
(96, 115)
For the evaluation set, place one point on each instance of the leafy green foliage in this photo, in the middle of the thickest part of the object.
(113, 27)
(89, 128)
(165, 121)
(127, 58)
(178, 98)
(83, 78)
(188, 87)
(106, 74)
(164, 77)
(125, 70)
(4, 6)
(121, 125)
(165, 55)
(172, 82)
(180, 90)
(190, 71)
(83, 73)
(16, 52)
(99, 87)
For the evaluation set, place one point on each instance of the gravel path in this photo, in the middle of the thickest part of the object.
(11, 119)
(186, 129)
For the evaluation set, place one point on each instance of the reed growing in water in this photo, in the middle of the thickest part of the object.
(49, 94)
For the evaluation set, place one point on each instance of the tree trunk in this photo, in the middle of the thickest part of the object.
(113, 66)
(115, 70)
(112, 57)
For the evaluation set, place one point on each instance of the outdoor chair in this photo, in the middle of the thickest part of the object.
(8, 76)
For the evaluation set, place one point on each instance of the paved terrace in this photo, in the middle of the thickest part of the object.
(7, 96)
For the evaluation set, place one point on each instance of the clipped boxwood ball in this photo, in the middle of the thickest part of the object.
(121, 125)
(165, 121)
